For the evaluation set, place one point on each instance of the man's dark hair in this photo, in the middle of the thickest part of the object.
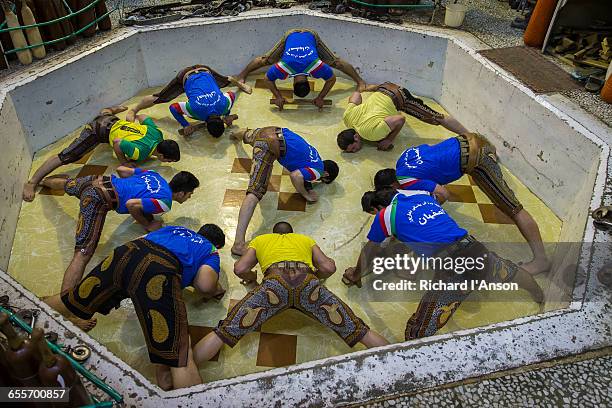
(170, 149)
(301, 89)
(384, 178)
(282, 227)
(372, 200)
(332, 169)
(184, 182)
(346, 138)
(214, 234)
(215, 126)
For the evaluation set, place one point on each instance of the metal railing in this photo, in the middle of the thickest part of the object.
(70, 14)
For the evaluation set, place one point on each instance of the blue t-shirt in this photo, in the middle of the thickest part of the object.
(424, 166)
(301, 156)
(191, 249)
(416, 218)
(300, 57)
(205, 96)
(146, 185)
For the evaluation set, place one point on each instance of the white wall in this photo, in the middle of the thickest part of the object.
(550, 156)
(16, 159)
(63, 99)
(226, 46)
(412, 59)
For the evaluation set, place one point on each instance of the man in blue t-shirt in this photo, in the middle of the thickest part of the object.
(298, 55)
(430, 168)
(295, 154)
(151, 271)
(206, 102)
(140, 193)
(416, 218)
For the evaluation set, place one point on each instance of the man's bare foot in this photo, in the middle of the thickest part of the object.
(29, 192)
(239, 248)
(85, 325)
(536, 266)
(164, 377)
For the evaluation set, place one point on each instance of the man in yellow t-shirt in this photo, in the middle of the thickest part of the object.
(378, 118)
(292, 265)
(131, 141)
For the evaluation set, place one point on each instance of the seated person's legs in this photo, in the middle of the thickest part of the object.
(269, 58)
(331, 59)
(259, 305)
(417, 108)
(261, 171)
(92, 214)
(172, 90)
(87, 140)
(322, 305)
(489, 177)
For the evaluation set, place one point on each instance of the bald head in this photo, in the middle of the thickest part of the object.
(282, 228)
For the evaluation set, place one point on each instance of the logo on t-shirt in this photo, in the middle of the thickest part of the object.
(127, 128)
(207, 99)
(299, 52)
(185, 233)
(153, 184)
(427, 211)
(412, 155)
(314, 157)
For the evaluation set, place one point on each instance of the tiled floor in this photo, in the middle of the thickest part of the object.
(44, 240)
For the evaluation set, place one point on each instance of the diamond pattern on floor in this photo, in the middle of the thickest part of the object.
(233, 198)
(48, 191)
(276, 350)
(85, 159)
(493, 215)
(291, 202)
(242, 165)
(91, 170)
(462, 194)
(198, 332)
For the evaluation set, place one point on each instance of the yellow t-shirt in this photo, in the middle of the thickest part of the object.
(368, 118)
(138, 140)
(273, 248)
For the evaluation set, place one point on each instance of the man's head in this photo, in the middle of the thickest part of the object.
(214, 234)
(282, 227)
(374, 201)
(182, 186)
(385, 178)
(215, 126)
(168, 151)
(330, 171)
(349, 141)
(301, 87)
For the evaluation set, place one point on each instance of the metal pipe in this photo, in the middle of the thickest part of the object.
(90, 5)
(78, 367)
(63, 38)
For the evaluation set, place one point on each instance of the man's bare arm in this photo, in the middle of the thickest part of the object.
(243, 268)
(395, 123)
(325, 266)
